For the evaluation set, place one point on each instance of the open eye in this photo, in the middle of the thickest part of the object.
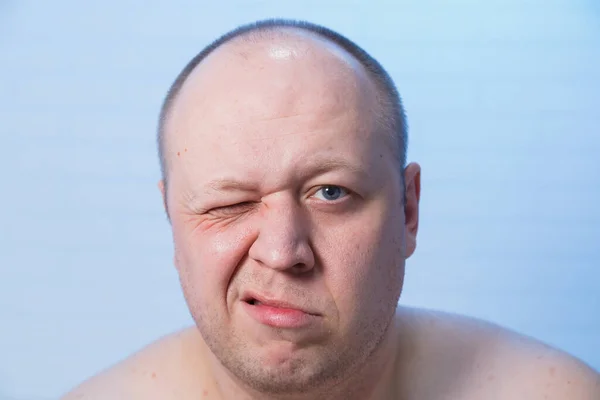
(331, 193)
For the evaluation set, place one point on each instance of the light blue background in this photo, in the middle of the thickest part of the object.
(502, 98)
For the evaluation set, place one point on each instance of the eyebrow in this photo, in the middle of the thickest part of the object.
(320, 166)
(229, 184)
(310, 169)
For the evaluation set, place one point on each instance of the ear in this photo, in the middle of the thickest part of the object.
(163, 192)
(412, 194)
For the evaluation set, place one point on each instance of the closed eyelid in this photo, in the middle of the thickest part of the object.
(233, 208)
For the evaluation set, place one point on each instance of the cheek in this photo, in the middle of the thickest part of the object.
(207, 259)
(364, 266)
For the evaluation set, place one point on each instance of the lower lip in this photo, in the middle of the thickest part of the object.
(279, 317)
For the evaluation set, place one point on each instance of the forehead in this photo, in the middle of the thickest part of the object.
(284, 71)
(271, 96)
(294, 68)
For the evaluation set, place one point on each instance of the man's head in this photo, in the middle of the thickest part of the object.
(391, 111)
(285, 186)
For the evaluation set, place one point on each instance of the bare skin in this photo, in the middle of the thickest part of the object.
(439, 356)
(291, 234)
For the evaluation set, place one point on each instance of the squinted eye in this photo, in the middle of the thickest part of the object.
(331, 193)
(232, 209)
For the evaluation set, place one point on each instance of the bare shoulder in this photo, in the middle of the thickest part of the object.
(474, 359)
(168, 368)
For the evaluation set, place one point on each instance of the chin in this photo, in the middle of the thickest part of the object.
(282, 367)
(293, 375)
(286, 358)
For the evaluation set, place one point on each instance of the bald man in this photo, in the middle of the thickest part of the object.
(293, 210)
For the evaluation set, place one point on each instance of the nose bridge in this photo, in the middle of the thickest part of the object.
(282, 240)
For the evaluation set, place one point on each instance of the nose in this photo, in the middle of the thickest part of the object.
(283, 241)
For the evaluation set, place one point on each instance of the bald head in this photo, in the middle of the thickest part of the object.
(282, 50)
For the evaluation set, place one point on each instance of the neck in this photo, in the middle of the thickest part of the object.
(374, 379)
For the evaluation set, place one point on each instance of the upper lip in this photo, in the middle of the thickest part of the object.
(249, 296)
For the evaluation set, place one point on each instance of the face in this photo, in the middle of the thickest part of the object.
(287, 213)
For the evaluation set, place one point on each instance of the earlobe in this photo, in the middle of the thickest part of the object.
(412, 179)
(176, 259)
(163, 192)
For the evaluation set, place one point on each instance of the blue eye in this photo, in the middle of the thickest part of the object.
(331, 193)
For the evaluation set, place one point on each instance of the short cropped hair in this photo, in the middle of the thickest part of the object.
(392, 114)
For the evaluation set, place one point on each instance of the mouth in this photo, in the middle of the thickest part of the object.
(279, 314)
(260, 301)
